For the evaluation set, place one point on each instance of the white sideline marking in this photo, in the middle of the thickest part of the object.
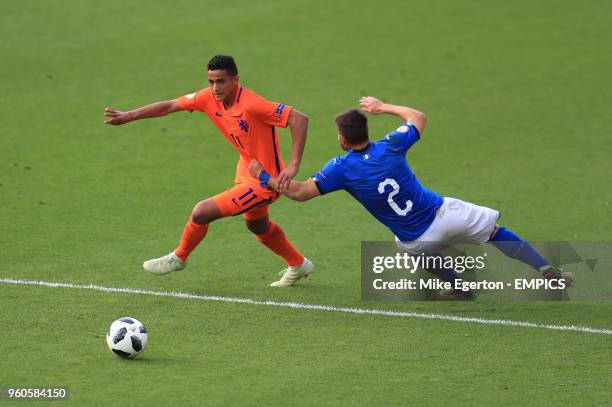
(329, 308)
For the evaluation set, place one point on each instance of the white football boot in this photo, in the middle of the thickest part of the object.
(164, 265)
(291, 275)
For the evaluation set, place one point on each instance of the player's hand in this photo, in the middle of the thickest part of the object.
(285, 177)
(117, 117)
(255, 168)
(370, 104)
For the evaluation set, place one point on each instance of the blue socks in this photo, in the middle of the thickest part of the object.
(510, 244)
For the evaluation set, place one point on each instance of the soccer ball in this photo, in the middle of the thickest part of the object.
(127, 337)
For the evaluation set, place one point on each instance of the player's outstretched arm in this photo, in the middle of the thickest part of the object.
(157, 109)
(298, 124)
(296, 190)
(372, 105)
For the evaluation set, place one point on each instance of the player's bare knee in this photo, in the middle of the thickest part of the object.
(205, 212)
(199, 216)
(259, 226)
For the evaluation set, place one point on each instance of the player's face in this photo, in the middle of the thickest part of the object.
(223, 85)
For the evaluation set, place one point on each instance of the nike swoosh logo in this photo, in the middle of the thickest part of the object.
(218, 114)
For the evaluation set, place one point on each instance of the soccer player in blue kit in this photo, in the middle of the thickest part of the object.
(378, 175)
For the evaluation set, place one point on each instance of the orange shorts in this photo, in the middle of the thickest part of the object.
(247, 199)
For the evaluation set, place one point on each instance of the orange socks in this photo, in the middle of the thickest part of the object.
(192, 236)
(275, 240)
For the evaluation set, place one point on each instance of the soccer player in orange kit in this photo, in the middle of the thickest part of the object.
(249, 123)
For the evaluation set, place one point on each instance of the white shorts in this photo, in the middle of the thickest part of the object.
(456, 222)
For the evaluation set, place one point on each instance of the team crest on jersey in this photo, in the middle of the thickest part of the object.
(367, 156)
(244, 126)
(279, 111)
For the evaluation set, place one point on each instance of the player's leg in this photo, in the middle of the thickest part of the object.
(469, 223)
(203, 214)
(195, 230)
(512, 245)
(446, 273)
(272, 236)
(430, 244)
(438, 269)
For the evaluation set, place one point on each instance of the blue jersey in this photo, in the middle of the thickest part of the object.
(380, 178)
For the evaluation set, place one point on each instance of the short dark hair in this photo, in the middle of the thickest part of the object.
(223, 62)
(353, 126)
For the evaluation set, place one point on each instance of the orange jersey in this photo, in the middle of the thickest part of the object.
(249, 125)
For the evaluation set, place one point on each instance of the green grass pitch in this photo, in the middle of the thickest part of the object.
(518, 101)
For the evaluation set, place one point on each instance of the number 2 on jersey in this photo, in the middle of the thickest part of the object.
(395, 191)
